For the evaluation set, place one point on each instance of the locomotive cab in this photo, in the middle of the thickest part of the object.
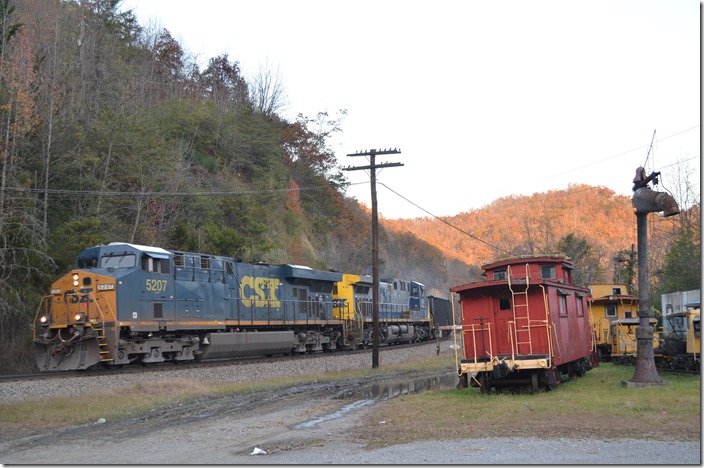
(77, 325)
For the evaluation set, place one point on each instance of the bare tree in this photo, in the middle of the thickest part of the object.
(267, 91)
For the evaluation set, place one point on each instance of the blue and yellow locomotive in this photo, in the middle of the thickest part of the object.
(404, 315)
(125, 303)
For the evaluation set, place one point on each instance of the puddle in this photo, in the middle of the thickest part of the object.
(337, 414)
(370, 394)
(386, 390)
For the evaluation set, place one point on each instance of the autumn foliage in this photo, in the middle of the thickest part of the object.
(540, 224)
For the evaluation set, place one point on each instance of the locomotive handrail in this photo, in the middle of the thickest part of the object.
(36, 315)
(102, 317)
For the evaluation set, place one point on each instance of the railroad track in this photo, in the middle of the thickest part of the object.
(169, 366)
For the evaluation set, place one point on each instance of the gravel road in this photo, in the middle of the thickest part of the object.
(308, 424)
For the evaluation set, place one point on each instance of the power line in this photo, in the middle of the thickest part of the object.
(163, 194)
(443, 221)
(621, 154)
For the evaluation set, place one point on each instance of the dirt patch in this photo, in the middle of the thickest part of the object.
(297, 419)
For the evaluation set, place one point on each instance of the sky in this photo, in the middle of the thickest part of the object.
(484, 99)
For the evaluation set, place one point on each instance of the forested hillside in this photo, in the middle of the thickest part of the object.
(592, 225)
(111, 132)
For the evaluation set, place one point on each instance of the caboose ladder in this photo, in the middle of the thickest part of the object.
(521, 312)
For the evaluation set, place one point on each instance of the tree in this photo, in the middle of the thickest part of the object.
(267, 93)
(682, 270)
(222, 82)
(586, 264)
(625, 263)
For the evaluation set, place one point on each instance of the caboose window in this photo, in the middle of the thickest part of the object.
(610, 310)
(504, 303)
(616, 291)
(563, 305)
(547, 271)
(500, 275)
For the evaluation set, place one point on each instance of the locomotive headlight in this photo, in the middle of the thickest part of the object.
(75, 279)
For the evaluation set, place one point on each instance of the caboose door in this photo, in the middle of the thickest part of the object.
(501, 336)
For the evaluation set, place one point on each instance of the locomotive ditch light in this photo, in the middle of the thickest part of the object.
(44, 320)
(79, 317)
(75, 279)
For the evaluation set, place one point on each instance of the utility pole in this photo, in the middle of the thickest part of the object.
(375, 242)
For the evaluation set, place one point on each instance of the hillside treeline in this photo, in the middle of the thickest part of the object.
(592, 225)
(112, 132)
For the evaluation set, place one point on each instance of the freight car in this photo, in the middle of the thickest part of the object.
(526, 325)
(681, 347)
(125, 304)
(441, 314)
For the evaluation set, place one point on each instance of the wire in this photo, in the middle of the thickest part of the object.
(443, 221)
(621, 154)
(164, 194)
(650, 149)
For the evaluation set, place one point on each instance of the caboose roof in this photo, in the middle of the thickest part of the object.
(523, 259)
(614, 297)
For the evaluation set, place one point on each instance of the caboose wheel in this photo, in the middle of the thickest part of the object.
(534, 382)
(484, 385)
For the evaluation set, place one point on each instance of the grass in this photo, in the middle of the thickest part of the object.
(596, 405)
(144, 397)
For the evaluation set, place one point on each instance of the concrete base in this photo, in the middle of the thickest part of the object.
(629, 384)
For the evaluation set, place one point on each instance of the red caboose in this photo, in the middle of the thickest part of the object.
(526, 324)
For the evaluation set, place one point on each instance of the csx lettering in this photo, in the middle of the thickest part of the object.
(156, 285)
(259, 292)
(80, 297)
